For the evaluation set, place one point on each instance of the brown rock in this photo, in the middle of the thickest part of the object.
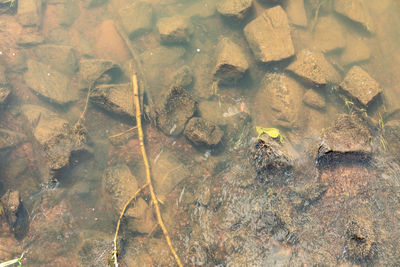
(109, 44)
(136, 17)
(357, 11)
(30, 39)
(29, 12)
(62, 58)
(296, 12)
(237, 9)
(5, 91)
(359, 85)
(269, 36)
(202, 132)
(49, 83)
(328, 35)
(231, 62)
(278, 101)
(314, 68)
(174, 30)
(356, 51)
(94, 70)
(314, 99)
(10, 139)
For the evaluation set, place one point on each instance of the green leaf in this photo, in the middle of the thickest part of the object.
(10, 262)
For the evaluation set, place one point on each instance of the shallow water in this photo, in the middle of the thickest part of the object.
(218, 208)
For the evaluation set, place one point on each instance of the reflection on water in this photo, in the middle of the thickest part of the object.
(320, 187)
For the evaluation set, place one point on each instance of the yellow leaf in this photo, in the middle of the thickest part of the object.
(272, 132)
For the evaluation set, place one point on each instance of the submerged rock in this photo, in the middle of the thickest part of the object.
(203, 132)
(296, 12)
(237, 9)
(231, 62)
(30, 39)
(5, 91)
(10, 139)
(314, 68)
(174, 30)
(29, 12)
(97, 70)
(183, 77)
(16, 214)
(49, 83)
(279, 101)
(359, 85)
(136, 17)
(357, 11)
(176, 108)
(349, 136)
(116, 98)
(314, 99)
(59, 57)
(328, 35)
(271, 158)
(356, 51)
(269, 36)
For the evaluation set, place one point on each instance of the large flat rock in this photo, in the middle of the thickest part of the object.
(49, 83)
(357, 11)
(269, 36)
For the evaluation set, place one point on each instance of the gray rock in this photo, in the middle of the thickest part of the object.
(202, 132)
(183, 77)
(96, 70)
(49, 83)
(278, 101)
(328, 35)
(231, 63)
(176, 108)
(296, 12)
(357, 11)
(314, 99)
(174, 30)
(356, 51)
(61, 58)
(30, 39)
(269, 36)
(116, 98)
(314, 68)
(136, 18)
(348, 135)
(29, 12)
(10, 139)
(359, 85)
(237, 9)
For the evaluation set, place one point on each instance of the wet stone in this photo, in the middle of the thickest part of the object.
(278, 100)
(115, 98)
(10, 139)
(328, 35)
(29, 12)
(231, 62)
(97, 70)
(174, 30)
(203, 132)
(183, 77)
(359, 85)
(60, 57)
(314, 68)
(296, 13)
(349, 136)
(30, 39)
(314, 99)
(15, 212)
(269, 36)
(356, 51)
(271, 158)
(357, 11)
(236, 9)
(49, 83)
(176, 108)
(136, 18)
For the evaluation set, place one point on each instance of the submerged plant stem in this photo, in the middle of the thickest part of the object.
(146, 163)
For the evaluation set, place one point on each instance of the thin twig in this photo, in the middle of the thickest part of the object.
(146, 163)
(124, 132)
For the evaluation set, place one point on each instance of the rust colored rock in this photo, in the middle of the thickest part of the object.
(314, 68)
(359, 85)
(269, 36)
(109, 44)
